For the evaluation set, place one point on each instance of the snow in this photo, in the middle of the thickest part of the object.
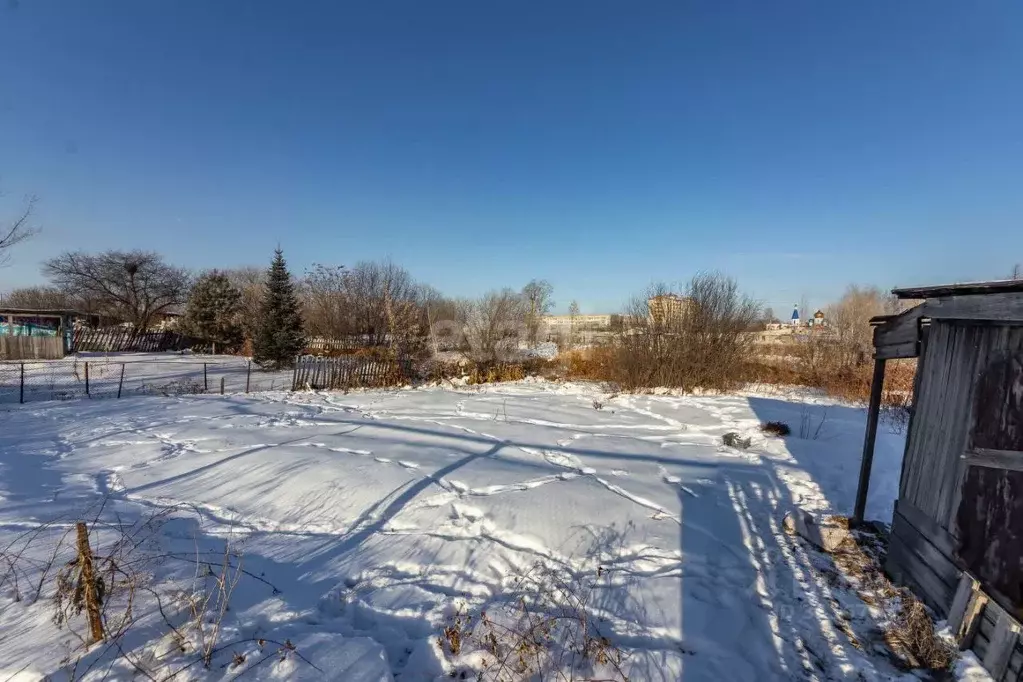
(377, 515)
(143, 373)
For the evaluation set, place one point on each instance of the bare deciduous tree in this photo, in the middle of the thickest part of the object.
(39, 298)
(250, 280)
(537, 299)
(324, 299)
(133, 286)
(375, 300)
(16, 230)
(849, 321)
(492, 325)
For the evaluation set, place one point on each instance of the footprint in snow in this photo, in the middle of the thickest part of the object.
(408, 465)
(619, 472)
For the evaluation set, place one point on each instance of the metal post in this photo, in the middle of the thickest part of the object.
(21, 398)
(205, 380)
(248, 374)
(120, 383)
(873, 412)
(222, 385)
(86, 377)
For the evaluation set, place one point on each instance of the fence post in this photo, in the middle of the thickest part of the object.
(294, 375)
(86, 377)
(222, 385)
(205, 380)
(248, 374)
(21, 397)
(120, 383)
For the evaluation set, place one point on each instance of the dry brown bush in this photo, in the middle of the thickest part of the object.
(702, 344)
(544, 631)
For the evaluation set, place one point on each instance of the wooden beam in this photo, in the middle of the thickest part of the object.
(1004, 307)
(964, 289)
(995, 459)
(870, 437)
(964, 616)
(909, 349)
(999, 651)
(899, 329)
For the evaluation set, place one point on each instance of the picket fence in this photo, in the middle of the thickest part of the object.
(319, 344)
(346, 372)
(127, 340)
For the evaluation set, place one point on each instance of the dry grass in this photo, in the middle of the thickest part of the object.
(101, 583)
(907, 626)
(543, 631)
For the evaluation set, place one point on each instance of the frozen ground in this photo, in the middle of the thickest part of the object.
(143, 374)
(378, 515)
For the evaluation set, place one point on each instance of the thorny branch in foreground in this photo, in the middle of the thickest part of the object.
(106, 567)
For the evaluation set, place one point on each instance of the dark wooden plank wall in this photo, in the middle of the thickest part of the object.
(920, 556)
(933, 467)
(938, 433)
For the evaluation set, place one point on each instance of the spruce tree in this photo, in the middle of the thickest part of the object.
(279, 337)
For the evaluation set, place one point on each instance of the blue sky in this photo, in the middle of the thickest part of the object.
(798, 146)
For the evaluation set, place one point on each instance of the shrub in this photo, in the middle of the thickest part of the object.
(544, 630)
(699, 340)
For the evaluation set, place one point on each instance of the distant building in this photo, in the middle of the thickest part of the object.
(564, 323)
(795, 321)
(666, 308)
(818, 319)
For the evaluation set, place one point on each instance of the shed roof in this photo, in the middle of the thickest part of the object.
(1002, 286)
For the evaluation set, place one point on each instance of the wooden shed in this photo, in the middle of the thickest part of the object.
(957, 532)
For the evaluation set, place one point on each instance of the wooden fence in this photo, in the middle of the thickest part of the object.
(127, 340)
(318, 344)
(346, 372)
(31, 347)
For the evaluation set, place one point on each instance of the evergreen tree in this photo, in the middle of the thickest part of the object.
(212, 312)
(279, 336)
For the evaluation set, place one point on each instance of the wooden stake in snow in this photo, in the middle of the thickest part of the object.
(88, 584)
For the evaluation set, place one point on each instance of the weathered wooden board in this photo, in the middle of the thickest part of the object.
(1001, 645)
(990, 524)
(31, 347)
(939, 430)
(928, 527)
(934, 466)
(1001, 307)
(923, 547)
(995, 459)
(961, 289)
(989, 517)
(915, 562)
(899, 336)
(966, 613)
(907, 349)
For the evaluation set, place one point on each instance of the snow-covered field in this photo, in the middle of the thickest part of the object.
(134, 374)
(380, 515)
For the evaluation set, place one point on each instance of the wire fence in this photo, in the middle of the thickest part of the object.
(115, 378)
